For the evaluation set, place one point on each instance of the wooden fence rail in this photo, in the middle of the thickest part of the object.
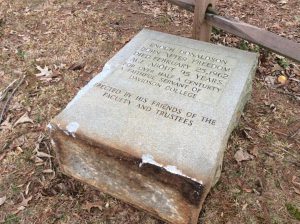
(248, 32)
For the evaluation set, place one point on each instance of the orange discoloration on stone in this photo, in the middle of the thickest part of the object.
(171, 197)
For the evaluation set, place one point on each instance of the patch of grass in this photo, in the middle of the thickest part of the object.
(255, 48)
(277, 184)
(26, 156)
(244, 45)
(291, 120)
(15, 189)
(39, 118)
(275, 220)
(216, 31)
(283, 62)
(12, 219)
(293, 211)
(270, 138)
(2, 22)
(21, 54)
(164, 20)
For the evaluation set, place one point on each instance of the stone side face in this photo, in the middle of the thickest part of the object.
(152, 127)
(170, 197)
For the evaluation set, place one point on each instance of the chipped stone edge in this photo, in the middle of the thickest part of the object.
(149, 159)
(72, 127)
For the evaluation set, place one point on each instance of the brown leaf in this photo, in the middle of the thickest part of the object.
(25, 201)
(23, 204)
(18, 142)
(254, 151)
(27, 188)
(248, 190)
(296, 190)
(43, 154)
(282, 2)
(297, 71)
(270, 80)
(44, 72)
(6, 125)
(23, 119)
(2, 200)
(242, 155)
(89, 205)
(48, 171)
(2, 156)
(276, 67)
(296, 183)
(38, 160)
(77, 66)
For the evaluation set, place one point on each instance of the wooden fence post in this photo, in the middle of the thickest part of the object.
(201, 29)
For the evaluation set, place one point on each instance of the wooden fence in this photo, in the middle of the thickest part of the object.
(205, 16)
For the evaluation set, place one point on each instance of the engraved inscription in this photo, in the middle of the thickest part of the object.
(154, 106)
(178, 70)
(175, 70)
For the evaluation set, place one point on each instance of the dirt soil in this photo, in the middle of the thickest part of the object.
(52, 48)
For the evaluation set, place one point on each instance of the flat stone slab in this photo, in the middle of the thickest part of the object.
(152, 127)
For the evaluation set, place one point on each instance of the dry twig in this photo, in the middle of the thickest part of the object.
(10, 97)
(7, 89)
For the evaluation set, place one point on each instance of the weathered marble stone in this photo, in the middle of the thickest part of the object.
(152, 127)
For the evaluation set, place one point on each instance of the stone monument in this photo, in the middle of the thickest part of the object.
(152, 127)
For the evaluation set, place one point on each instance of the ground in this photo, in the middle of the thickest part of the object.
(52, 48)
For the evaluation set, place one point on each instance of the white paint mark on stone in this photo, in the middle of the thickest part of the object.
(173, 169)
(49, 126)
(72, 128)
(147, 158)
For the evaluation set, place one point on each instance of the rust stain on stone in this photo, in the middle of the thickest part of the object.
(178, 199)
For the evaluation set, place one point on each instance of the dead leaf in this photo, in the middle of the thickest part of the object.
(248, 135)
(48, 171)
(23, 119)
(248, 190)
(43, 154)
(296, 183)
(276, 67)
(297, 191)
(2, 200)
(282, 2)
(88, 206)
(6, 125)
(20, 208)
(242, 155)
(254, 151)
(2, 156)
(27, 188)
(19, 150)
(25, 201)
(60, 66)
(77, 66)
(47, 75)
(38, 160)
(244, 207)
(23, 204)
(44, 72)
(18, 142)
(270, 80)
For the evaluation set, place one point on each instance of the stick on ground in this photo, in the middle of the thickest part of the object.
(9, 98)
